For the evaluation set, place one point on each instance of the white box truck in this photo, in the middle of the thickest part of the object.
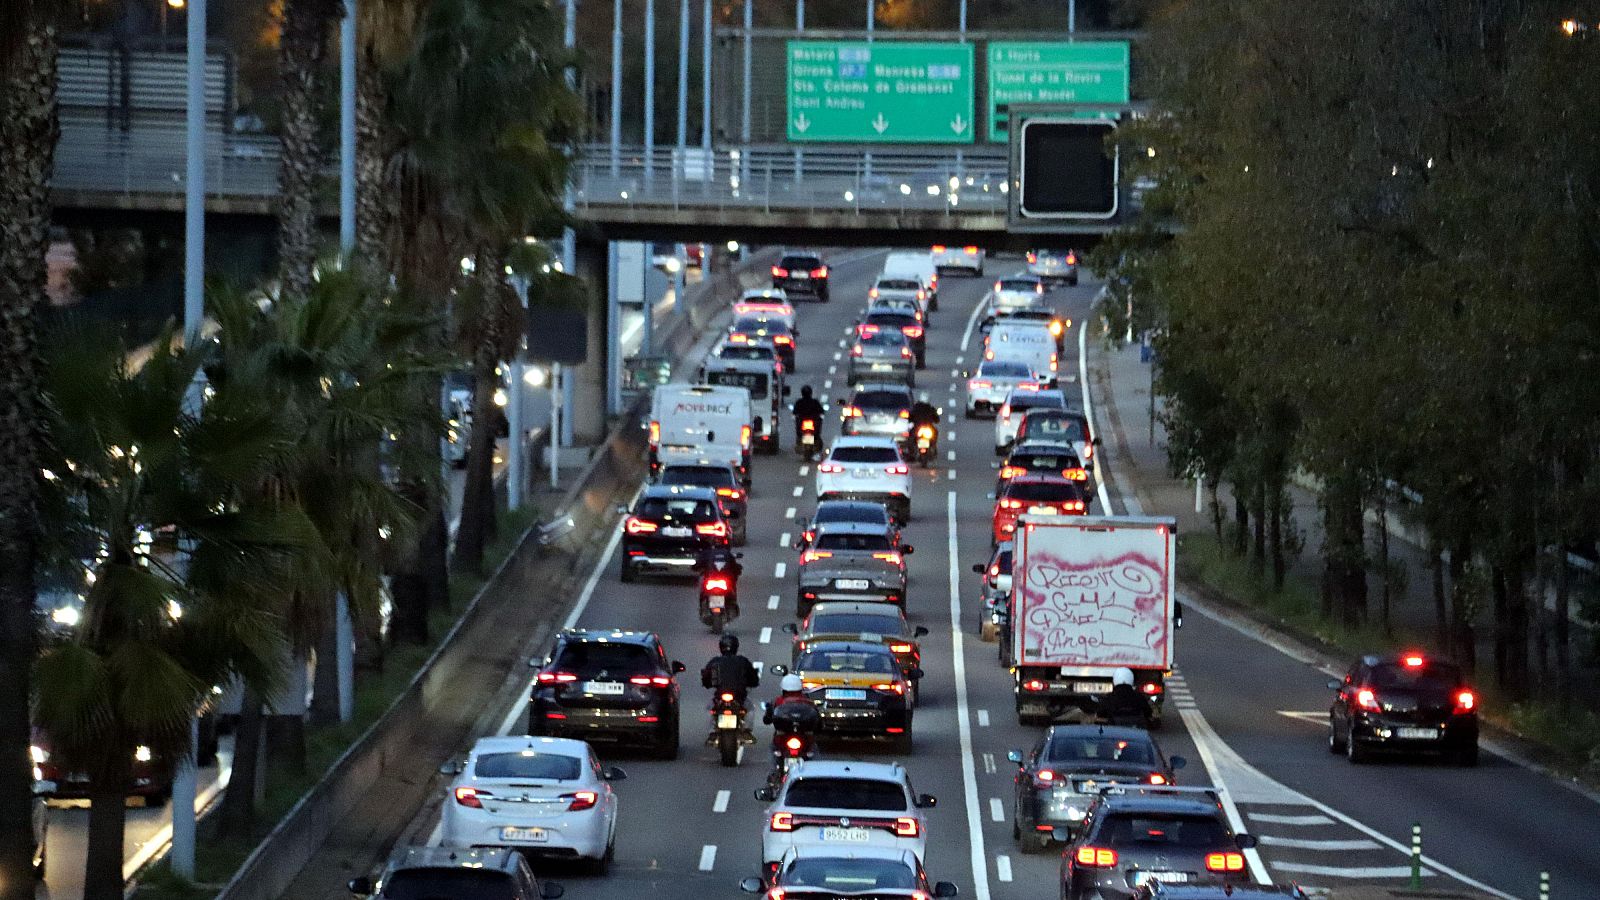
(1089, 595)
(691, 423)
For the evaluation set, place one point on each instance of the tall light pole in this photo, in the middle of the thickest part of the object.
(616, 88)
(705, 80)
(799, 26)
(649, 90)
(347, 129)
(683, 75)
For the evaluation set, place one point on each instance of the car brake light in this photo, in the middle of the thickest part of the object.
(744, 435)
(1033, 684)
(1466, 701)
(890, 556)
(637, 525)
(1225, 862)
(1072, 505)
(855, 350)
(890, 687)
(1056, 328)
(1077, 474)
(971, 251)
(726, 697)
(557, 677)
(717, 584)
(1010, 504)
(872, 293)
(794, 743)
(1366, 699)
(901, 469)
(921, 295)
(655, 432)
(714, 529)
(906, 826)
(1072, 259)
(994, 571)
(912, 331)
(735, 493)
(469, 797)
(581, 800)
(1033, 257)
(988, 354)
(780, 272)
(1011, 471)
(830, 468)
(808, 425)
(1044, 778)
(1413, 662)
(1150, 687)
(782, 339)
(1095, 857)
(938, 248)
(782, 821)
(899, 648)
(905, 352)
(905, 413)
(1157, 778)
(814, 555)
(978, 385)
(821, 272)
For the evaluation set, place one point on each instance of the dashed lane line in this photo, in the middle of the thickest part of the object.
(720, 805)
(950, 455)
(789, 514)
(983, 718)
(783, 541)
(1002, 868)
(805, 470)
(988, 764)
(1357, 872)
(798, 490)
(779, 569)
(997, 810)
(708, 857)
(765, 636)
(772, 602)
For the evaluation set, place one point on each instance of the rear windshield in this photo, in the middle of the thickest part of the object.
(882, 399)
(1068, 428)
(434, 884)
(845, 793)
(527, 764)
(700, 476)
(851, 513)
(1001, 368)
(855, 623)
(1088, 748)
(592, 659)
(1043, 490)
(1148, 829)
(745, 351)
(849, 876)
(891, 319)
(1031, 399)
(864, 543)
(898, 284)
(865, 455)
(887, 337)
(846, 662)
(1016, 284)
(1429, 677)
(1044, 461)
(662, 507)
(760, 323)
(800, 262)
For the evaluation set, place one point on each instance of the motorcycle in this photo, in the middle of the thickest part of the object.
(794, 737)
(719, 597)
(808, 444)
(728, 730)
(927, 442)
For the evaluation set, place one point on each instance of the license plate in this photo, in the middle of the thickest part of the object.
(1042, 510)
(801, 276)
(808, 439)
(1088, 687)
(1167, 877)
(727, 720)
(846, 835)
(1416, 734)
(675, 532)
(512, 833)
(852, 584)
(715, 603)
(845, 694)
(881, 367)
(602, 687)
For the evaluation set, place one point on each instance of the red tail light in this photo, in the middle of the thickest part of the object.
(830, 468)
(1072, 259)
(637, 525)
(912, 331)
(1011, 471)
(649, 680)
(820, 272)
(905, 413)
(726, 697)
(890, 687)
(1466, 702)
(864, 330)
(744, 435)
(1072, 505)
(925, 432)
(901, 469)
(1413, 661)
(655, 432)
(814, 555)
(855, 350)
(1157, 778)
(782, 339)
(938, 248)
(468, 797)
(1150, 687)
(808, 425)
(905, 352)
(1095, 857)
(971, 251)
(1010, 504)
(872, 293)
(890, 556)
(1367, 699)
(717, 584)
(1033, 257)
(794, 744)
(557, 678)
(782, 821)
(780, 272)
(1033, 684)
(851, 411)
(1225, 862)
(979, 384)
(715, 529)
(899, 648)
(905, 826)
(581, 800)
(734, 493)
(994, 571)
(1044, 778)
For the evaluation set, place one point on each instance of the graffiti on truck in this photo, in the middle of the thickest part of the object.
(1097, 612)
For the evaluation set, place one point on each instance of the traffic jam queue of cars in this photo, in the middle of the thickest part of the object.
(1095, 782)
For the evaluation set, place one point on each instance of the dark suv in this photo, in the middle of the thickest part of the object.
(1407, 703)
(671, 528)
(719, 477)
(802, 273)
(443, 873)
(607, 685)
(1058, 779)
(1135, 835)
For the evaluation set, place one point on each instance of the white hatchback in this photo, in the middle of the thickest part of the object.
(1021, 399)
(867, 468)
(541, 795)
(825, 803)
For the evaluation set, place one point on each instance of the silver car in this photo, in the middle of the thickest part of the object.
(852, 561)
(989, 387)
(882, 355)
(1054, 265)
(881, 410)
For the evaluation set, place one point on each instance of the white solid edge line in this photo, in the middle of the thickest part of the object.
(161, 840)
(969, 776)
(972, 321)
(1200, 732)
(600, 567)
(1088, 413)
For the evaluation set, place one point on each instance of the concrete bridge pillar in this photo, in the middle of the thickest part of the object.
(588, 410)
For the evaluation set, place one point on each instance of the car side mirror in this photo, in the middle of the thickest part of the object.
(751, 886)
(1335, 684)
(927, 801)
(919, 631)
(678, 668)
(551, 890)
(453, 766)
(534, 663)
(613, 773)
(978, 568)
(1177, 762)
(766, 794)
(779, 670)
(907, 549)
(1245, 841)
(790, 628)
(44, 788)
(361, 887)
(946, 889)
(915, 674)
(1014, 756)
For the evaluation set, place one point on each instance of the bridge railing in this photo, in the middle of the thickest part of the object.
(782, 179)
(152, 161)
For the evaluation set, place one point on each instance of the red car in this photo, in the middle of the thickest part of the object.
(1045, 495)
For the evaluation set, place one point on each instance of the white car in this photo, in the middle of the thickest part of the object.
(1025, 341)
(770, 302)
(1021, 399)
(867, 468)
(826, 803)
(1054, 265)
(988, 387)
(969, 258)
(537, 794)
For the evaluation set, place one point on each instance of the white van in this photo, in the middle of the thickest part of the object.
(1029, 343)
(914, 264)
(694, 422)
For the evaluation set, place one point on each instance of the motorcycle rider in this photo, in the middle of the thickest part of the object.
(1124, 705)
(808, 407)
(713, 554)
(729, 671)
(924, 413)
(798, 714)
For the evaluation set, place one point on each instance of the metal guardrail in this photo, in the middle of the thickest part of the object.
(151, 161)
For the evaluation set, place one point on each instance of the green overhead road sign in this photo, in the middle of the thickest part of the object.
(885, 92)
(1079, 72)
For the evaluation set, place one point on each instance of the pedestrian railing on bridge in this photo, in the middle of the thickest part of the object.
(149, 163)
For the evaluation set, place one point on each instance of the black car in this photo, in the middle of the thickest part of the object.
(802, 273)
(906, 323)
(865, 512)
(859, 688)
(450, 873)
(1063, 773)
(760, 328)
(670, 529)
(1041, 458)
(1156, 890)
(1135, 835)
(719, 477)
(607, 685)
(1410, 703)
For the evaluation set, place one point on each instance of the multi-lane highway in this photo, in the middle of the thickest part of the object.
(1242, 711)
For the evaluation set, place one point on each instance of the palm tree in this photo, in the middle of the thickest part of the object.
(28, 129)
(301, 50)
(186, 572)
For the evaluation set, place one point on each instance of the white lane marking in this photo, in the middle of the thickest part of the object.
(772, 602)
(950, 455)
(969, 775)
(1002, 868)
(783, 540)
(952, 474)
(997, 810)
(766, 636)
(1268, 840)
(1200, 730)
(1088, 413)
(779, 569)
(789, 514)
(798, 490)
(1348, 871)
(720, 805)
(1314, 717)
(955, 373)
(827, 383)
(805, 470)
(708, 857)
(988, 764)
(960, 358)
(972, 322)
(594, 577)
(1276, 819)
(834, 370)
(836, 358)
(983, 718)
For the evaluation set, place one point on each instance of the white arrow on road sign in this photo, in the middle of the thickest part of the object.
(958, 124)
(880, 124)
(802, 123)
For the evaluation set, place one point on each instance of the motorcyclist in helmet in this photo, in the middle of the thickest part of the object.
(923, 412)
(807, 407)
(713, 554)
(729, 671)
(1124, 705)
(790, 713)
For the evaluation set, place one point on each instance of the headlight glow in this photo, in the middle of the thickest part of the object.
(40, 755)
(66, 616)
(141, 753)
